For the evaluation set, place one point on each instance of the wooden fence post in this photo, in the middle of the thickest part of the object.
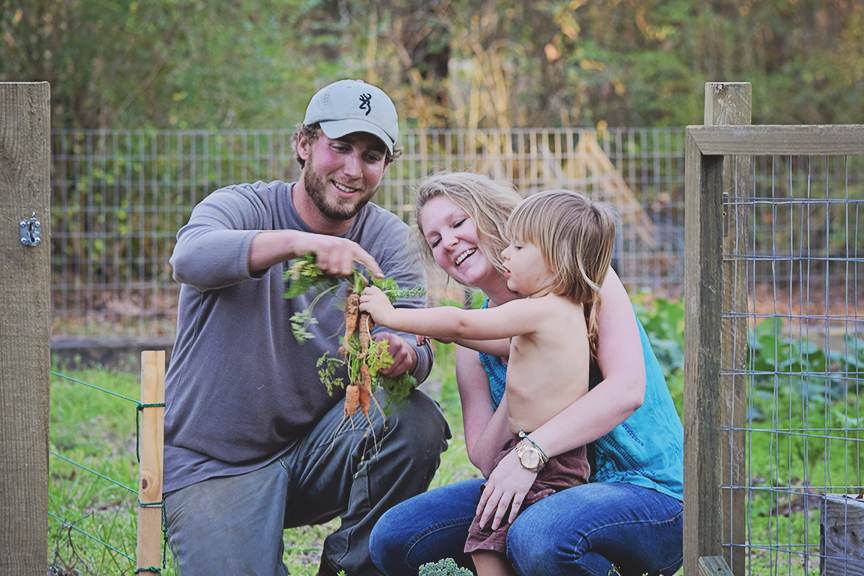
(25, 325)
(703, 232)
(726, 104)
(151, 436)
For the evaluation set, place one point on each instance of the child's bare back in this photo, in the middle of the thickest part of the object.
(548, 367)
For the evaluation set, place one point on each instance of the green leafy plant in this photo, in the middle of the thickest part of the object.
(663, 321)
(800, 365)
(445, 567)
(304, 276)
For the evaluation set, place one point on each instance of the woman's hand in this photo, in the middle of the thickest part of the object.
(507, 486)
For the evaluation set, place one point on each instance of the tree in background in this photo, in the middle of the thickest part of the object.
(160, 63)
(448, 63)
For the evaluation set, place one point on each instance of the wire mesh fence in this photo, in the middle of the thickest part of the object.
(801, 253)
(774, 355)
(119, 198)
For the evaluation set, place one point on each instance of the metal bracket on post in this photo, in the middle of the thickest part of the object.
(31, 231)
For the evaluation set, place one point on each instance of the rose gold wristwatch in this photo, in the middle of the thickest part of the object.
(530, 458)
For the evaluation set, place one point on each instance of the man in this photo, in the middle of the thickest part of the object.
(251, 442)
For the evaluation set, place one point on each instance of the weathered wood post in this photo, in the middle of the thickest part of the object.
(729, 103)
(151, 441)
(25, 325)
(703, 229)
(841, 550)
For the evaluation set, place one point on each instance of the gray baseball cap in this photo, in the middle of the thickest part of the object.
(350, 106)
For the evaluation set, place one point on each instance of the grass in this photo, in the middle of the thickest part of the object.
(804, 433)
(97, 430)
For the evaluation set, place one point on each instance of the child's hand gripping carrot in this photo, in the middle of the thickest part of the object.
(377, 304)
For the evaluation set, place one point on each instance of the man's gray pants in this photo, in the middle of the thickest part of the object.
(233, 525)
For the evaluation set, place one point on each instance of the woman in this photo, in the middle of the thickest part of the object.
(629, 517)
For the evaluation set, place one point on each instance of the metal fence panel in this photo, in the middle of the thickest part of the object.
(119, 198)
(773, 457)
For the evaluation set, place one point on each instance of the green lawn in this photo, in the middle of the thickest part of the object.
(98, 430)
(786, 452)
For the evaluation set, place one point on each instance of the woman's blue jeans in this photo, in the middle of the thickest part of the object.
(594, 529)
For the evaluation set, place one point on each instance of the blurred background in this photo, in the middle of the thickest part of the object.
(156, 104)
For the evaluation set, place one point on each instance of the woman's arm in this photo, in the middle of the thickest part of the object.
(500, 348)
(486, 429)
(622, 390)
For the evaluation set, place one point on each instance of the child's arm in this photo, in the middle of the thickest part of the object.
(512, 319)
(500, 347)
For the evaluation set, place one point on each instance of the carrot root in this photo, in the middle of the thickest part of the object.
(352, 398)
(352, 310)
(365, 399)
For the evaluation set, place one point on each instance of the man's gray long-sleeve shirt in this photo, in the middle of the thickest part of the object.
(240, 389)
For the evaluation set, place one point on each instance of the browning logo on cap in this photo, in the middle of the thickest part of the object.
(366, 100)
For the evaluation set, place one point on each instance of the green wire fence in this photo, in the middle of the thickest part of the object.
(149, 429)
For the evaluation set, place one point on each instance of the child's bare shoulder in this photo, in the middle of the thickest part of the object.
(543, 307)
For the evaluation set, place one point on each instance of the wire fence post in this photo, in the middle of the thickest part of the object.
(703, 230)
(726, 104)
(151, 441)
(25, 341)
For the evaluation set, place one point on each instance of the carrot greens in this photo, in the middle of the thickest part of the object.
(362, 356)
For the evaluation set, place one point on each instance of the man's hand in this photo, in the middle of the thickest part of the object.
(336, 256)
(404, 355)
(333, 255)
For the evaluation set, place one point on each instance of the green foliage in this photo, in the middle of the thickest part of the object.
(476, 299)
(392, 290)
(663, 321)
(445, 567)
(327, 367)
(304, 276)
(160, 63)
(801, 366)
(468, 64)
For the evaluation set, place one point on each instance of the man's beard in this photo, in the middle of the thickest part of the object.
(315, 188)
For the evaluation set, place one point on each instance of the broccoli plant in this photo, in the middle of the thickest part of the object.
(445, 567)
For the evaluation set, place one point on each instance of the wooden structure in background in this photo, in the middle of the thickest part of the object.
(841, 525)
(151, 441)
(728, 104)
(704, 394)
(25, 352)
(594, 166)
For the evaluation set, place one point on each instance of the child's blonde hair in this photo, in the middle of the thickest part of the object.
(576, 237)
(487, 202)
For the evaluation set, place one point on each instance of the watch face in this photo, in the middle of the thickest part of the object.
(530, 458)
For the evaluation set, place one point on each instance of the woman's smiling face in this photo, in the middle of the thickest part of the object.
(451, 235)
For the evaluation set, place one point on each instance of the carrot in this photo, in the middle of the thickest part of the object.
(352, 397)
(352, 309)
(365, 378)
(365, 396)
(365, 332)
